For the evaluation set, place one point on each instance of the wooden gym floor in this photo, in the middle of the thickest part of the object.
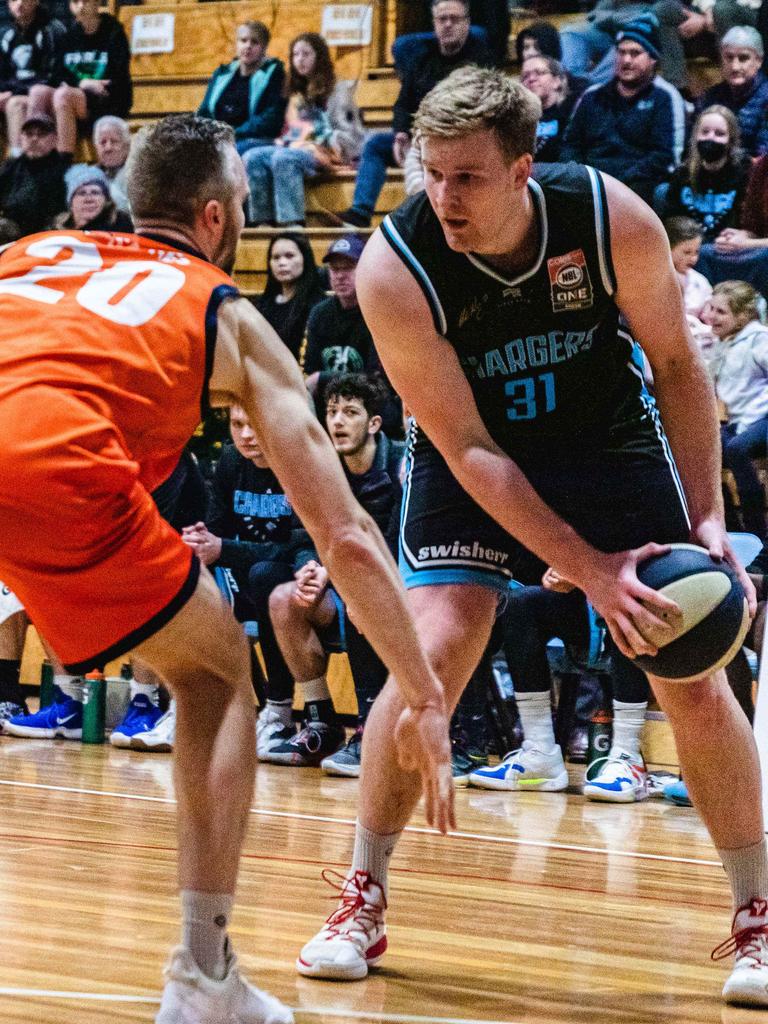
(542, 908)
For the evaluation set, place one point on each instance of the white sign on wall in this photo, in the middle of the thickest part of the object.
(347, 24)
(153, 33)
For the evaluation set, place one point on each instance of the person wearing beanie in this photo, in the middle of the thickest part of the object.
(629, 126)
(89, 204)
(744, 87)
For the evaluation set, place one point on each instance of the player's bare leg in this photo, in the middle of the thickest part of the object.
(453, 623)
(203, 655)
(708, 722)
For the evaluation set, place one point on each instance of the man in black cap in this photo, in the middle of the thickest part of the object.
(32, 185)
(338, 339)
(627, 126)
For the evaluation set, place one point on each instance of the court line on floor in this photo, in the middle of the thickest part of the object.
(414, 829)
(320, 1011)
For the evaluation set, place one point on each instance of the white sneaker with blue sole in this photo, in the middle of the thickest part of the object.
(526, 768)
(618, 779)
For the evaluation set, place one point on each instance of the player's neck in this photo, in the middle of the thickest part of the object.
(518, 241)
(174, 233)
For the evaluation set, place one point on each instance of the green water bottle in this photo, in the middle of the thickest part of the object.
(46, 684)
(600, 734)
(94, 707)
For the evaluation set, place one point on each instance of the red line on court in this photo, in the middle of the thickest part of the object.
(461, 875)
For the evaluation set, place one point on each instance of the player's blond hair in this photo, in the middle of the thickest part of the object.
(471, 99)
(176, 165)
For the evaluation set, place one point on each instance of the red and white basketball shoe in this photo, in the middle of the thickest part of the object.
(354, 937)
(748, 982)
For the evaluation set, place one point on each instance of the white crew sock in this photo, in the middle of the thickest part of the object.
(150, 690)
(282, 708)
(628, 722)
(536, 717)
(373, 853)
(315, 689)
(204, 922)
(72, 686)
(747, 871)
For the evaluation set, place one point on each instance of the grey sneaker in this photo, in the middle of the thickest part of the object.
(346, 761)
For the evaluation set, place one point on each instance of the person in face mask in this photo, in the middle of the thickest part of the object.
(709, 187)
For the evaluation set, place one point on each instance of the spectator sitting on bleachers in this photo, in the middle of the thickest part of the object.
(90, 207)
(741, 253)
(112, 142)
(739, 368)
(32, 185)
(684, 236)
(323, 129)
(452, 47)
(545, 77)
(92, 75)
(627, 126)
(293, 288)
(541, 39)
(492, 18)
(710, 186)
(308, 616)
(338, 338)
(248, 92)
(744, 88)
(28, 52)
(251, 533)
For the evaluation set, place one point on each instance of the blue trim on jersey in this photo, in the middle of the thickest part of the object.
(602, 230)
(413, 578)
(395, 239)
(220, 294)
(540, 209)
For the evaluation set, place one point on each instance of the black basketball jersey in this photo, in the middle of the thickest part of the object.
(549, 362)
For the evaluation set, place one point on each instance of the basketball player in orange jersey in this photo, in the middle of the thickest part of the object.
(109, 345)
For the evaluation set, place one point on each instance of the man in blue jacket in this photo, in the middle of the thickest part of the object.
(744, 88)
(627, 126)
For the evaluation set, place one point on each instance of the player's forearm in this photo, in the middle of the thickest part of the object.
(686, 400)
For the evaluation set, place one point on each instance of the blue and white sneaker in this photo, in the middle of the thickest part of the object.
(618, 779)
(142, 716)
(526, 768)
(62, 718)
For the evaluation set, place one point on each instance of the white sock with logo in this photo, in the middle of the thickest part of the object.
(536, 718)
(373, 853)
(628, 722)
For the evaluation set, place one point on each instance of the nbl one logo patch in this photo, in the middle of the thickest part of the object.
(570, 283)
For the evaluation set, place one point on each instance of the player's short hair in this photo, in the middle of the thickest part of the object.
(176, 166)
(682, 229)
(368, 389)
(471, 99)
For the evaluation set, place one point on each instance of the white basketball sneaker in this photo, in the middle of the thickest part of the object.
(618, 779)
(271, 730)
(354, 937)
(748, 982)
(190, 997)
(526, 768)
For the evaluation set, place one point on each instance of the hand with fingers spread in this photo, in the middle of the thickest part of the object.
(423, 745)
(711, 534)
(632, 611)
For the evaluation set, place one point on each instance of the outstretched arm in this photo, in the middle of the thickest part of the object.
(253, 367)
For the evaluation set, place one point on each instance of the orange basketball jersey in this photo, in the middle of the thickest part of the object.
(125, 323)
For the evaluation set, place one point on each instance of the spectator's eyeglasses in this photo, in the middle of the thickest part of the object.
(449, 19)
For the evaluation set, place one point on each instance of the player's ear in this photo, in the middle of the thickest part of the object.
(213, 214)
(521, 170)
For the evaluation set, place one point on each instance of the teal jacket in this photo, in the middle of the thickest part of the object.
(267, 104)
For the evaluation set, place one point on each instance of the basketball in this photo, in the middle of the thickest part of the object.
(715, 615)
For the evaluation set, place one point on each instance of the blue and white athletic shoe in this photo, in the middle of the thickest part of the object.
(62, 718)
(526, 768)
(142, 716)
(677, 792)
(618, 779)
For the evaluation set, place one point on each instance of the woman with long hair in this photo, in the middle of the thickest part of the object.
(739, 368)
(322, 130)
(710, 186)
(293, 288)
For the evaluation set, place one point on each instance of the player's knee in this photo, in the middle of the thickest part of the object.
(280, 602)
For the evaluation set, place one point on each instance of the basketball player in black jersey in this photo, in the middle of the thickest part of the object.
(507, 308)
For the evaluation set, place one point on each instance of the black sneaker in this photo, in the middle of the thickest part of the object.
(346, 761)
(316, 741)
(465, 760)
(352, 219)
